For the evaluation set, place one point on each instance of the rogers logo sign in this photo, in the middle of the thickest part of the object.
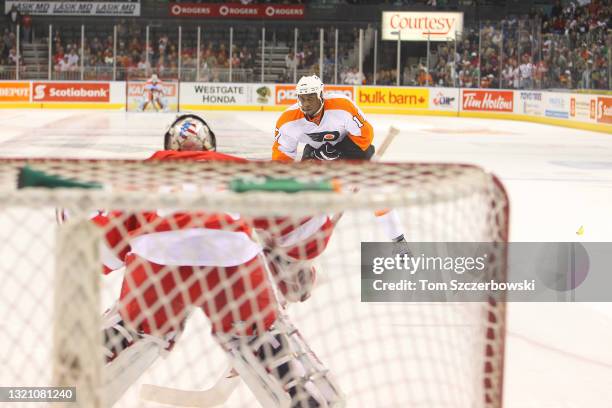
(493, 101)
(272, 11)
(237, 10)
(190, 10)
(71, 92)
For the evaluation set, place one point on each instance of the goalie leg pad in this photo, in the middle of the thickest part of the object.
(128, 354)
(281, 370)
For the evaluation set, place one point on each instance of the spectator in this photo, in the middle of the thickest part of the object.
(526, 73)
(424, 77)
(73, 60)
(291, 62)
(26, 26)
(13, 58)
(14, 18)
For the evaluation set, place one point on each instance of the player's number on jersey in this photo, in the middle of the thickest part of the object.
(358, 122)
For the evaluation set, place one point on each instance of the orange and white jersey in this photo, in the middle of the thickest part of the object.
(151, 88)
(340, 118)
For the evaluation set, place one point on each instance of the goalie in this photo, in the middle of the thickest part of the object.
(153, 94)
(207, 260)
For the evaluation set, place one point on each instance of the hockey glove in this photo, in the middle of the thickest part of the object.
(326, 152)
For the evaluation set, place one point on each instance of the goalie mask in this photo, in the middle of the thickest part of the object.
(189, 133)
(309, 91)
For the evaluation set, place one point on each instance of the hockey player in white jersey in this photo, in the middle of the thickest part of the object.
(264, 347)
(153, 94)
(331, 128)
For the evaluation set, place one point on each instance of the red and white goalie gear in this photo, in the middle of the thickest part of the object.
(153, 93)
(237, 299)
(129, 353)
(173, 264)
(195, 156)
(290, 245)
(120, 227)
(281, 370)
(179, 260)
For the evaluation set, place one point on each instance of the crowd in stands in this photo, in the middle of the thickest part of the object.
(568, 47)
(135, 60)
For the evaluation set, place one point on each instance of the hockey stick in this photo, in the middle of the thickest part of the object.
(213, 396)
(221, 391)
(393, 131)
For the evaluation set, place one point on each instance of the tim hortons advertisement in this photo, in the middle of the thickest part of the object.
(487, 101)
(529, 103)
(393, 97)
(75, 8)
(583, 108)
(238, 11)
(70, 92)
(14, 91)
(285, 94)
(446, 99)
(421, 26)
(604, 109)
(226, 94)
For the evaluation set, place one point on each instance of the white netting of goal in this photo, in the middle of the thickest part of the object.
(151, 216)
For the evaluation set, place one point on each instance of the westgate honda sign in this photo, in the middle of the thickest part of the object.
(419, 26)
(236, 10)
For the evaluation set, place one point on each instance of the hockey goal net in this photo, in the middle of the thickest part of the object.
(54, 294)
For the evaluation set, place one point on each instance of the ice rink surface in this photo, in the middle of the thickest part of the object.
(558, 180)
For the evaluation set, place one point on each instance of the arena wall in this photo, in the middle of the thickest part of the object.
(571, 109)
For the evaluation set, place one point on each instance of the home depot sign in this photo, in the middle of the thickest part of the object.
(420, 26)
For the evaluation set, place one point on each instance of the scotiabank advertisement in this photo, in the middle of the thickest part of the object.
(285, 94)
(14, 92)
(70, 92)
(393, 97)
(487, 101)
(604, 109)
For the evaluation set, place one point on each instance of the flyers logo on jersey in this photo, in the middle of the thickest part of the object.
(324, 136)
